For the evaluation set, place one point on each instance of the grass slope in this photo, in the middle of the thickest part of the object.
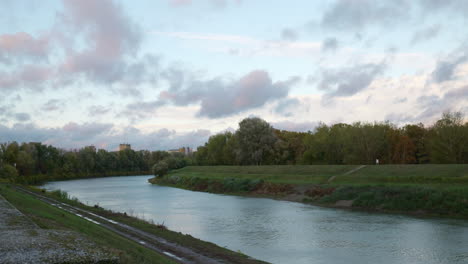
(440, 190)
(49, 217)
(291, 174)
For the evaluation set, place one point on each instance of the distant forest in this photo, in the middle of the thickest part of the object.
(256, 142)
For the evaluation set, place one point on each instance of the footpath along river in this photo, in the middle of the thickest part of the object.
(280, 231)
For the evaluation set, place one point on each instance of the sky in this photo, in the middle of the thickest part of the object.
(161, 74)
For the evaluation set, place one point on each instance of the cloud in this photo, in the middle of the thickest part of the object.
(214, 3)
(178, 3)
(219, 98)
(446, 68)
(330, 44)
(22, 117)
(92, 41)
(295, 126)
(102, 135)
(426, 34)
(22, 45)
(248, 46)
(454, 6)
(289, 34)
(110, 36)
(30, 77)
(286, 106)
(349, 80)
(98, 110)
(359, 14)
(433, 106)
(53, 105)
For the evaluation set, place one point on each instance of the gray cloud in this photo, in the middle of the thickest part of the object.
(217, 97)
(330, 44)
(98, 110)
(455, 6)
(7, 112)
(53, 105)
(110, 37)
(432, 106)
(357, 15)
(445, 69)
(286, 106)
(426, 34)
(22, 117)
(289, 34)
(73, 135)
(349, 80)
(108, 43)
(30, 77)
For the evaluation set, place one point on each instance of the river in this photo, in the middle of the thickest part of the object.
(280, 231)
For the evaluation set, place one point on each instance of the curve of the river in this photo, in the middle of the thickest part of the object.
(279, 231)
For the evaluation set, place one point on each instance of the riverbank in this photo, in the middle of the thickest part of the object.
(50, 217)
(425, 190)
(42, 178)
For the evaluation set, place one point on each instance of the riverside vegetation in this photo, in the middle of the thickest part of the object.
(437, 190)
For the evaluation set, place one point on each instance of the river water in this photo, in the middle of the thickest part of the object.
(279, 231)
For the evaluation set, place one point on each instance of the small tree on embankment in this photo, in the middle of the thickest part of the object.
(160, 169)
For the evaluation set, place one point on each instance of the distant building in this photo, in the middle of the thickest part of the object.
(124, 147)
(184, 150)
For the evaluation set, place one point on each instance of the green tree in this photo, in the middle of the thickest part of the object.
(256, 140)
(8, 172)
(160, 169)
(448, 139)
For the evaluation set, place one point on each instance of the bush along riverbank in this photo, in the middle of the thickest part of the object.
(422, 197)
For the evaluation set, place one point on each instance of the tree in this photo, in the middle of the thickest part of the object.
(448, 139)
(8, 172)
(418, 135)
(256, 140)
(160, 169)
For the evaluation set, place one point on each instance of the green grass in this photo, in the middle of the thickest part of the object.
(157, 229)
(49, 217)
(430, 174)
(290, 174)
(440, 190)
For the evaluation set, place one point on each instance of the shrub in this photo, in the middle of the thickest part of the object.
(160, 169)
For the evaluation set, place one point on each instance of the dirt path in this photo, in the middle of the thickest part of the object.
(347, 173)
(172, 250)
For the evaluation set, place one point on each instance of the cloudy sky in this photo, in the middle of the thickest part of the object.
(166, 73)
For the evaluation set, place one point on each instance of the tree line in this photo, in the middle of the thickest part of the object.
(256, 142)
(35, 162)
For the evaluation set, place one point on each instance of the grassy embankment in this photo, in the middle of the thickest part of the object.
(49, 217)
(440, 190)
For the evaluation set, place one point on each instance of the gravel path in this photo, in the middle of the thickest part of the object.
(22, 241)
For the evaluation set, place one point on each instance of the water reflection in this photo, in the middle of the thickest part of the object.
(277, 231)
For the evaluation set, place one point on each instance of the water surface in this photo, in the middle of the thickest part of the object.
(280, 231)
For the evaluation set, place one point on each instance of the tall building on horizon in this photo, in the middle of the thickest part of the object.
(124, 146)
